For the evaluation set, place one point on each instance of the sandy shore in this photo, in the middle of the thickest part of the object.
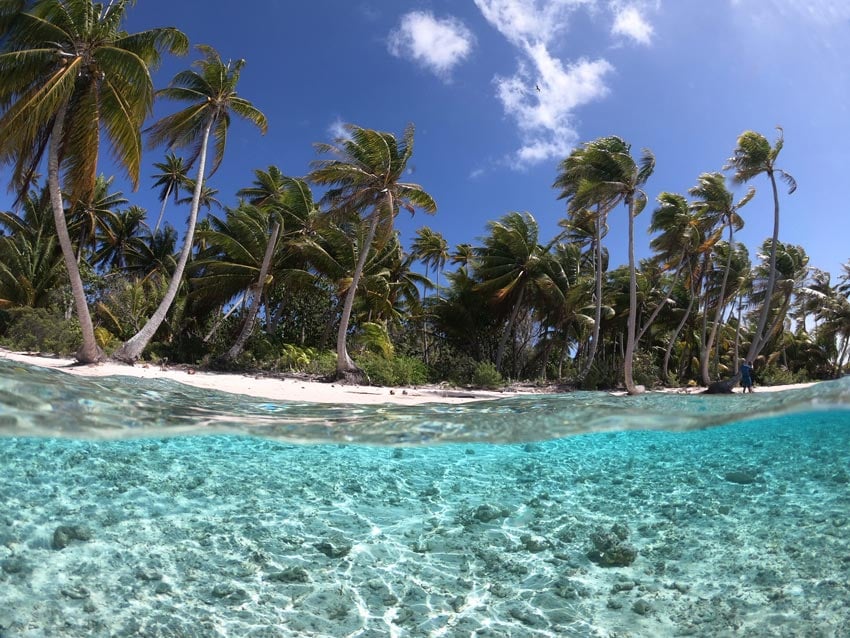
(273, 388)
(296, 389)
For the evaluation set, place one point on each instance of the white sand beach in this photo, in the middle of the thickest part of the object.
(297, 389)
(268, 387)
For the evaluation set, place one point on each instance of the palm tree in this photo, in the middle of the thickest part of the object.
(154, 256)
(171, 179)
(365, 175)
(69, 72)
(715, 200)
(86, 219)
(754, 156)
(432, 249)
(211, 92)
(120, 236)
(679, 238)
(31, 265)
(605, 174)
(512, 264)
(584, 213)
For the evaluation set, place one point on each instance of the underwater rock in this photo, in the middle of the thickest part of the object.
(289, 575)
(611, 549)
(64, 534)
(77, 593)
(486, 513)
(13, 565)
(535, 544)
(226, 591)
(741, 477)
(148, 573)
(641, 607)
(336, 549)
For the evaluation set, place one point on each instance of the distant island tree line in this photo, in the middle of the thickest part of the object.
(287, 282)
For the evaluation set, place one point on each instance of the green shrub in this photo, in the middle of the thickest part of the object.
(324, 364)
(392, 372)
(644, 370)
(487, 376)
(778, 375)
(41, 330)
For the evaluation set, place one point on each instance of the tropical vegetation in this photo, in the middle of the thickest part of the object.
(310, 274)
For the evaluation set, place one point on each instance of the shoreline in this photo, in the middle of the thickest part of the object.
(276, 388)
(294, 389)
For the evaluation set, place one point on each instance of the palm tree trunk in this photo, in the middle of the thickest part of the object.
(597, 317)
(344, 364)
(665, 368)
(132, 349)
(256, 294)
(760, 339)
(162, 209)
(628, 356)
(662, 303)
(735, 364)
(707, 346)
(218, 323)
(503, 342)
(89, 352)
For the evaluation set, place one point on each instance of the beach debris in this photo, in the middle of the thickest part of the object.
(721, 387)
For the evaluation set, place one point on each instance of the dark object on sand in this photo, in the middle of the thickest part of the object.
(721, 387)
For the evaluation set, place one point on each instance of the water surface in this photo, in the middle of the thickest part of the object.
(565, 515)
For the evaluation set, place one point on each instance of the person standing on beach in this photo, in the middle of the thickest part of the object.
(747, 376)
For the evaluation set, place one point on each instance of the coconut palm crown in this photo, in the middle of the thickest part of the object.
(69, 73)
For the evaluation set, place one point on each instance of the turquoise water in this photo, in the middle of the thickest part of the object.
(565, 515)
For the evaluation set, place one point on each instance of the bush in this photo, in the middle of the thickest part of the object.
(41, 330)
(486, 376)
(778, 375)
(393, 372)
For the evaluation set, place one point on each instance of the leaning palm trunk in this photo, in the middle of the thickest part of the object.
(705, 355)
(665, 368)
(162, 209)
(223, 318)
(89, 352)
(344, 363)
(597, 317)
(662, 303)
(132, 349)
(256, 295)
(628, 356)
(760, 338)
(503, 342)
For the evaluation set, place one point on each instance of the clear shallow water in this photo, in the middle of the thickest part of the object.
(341, 526)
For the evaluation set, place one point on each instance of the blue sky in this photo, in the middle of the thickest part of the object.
(681, 77)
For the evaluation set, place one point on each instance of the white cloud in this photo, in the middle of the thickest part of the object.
(826, 13)
(523, 21)
(337, 131)
(629, 22)
(544, 93)
(438, 44)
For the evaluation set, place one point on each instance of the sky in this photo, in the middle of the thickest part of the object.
(500, 91)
